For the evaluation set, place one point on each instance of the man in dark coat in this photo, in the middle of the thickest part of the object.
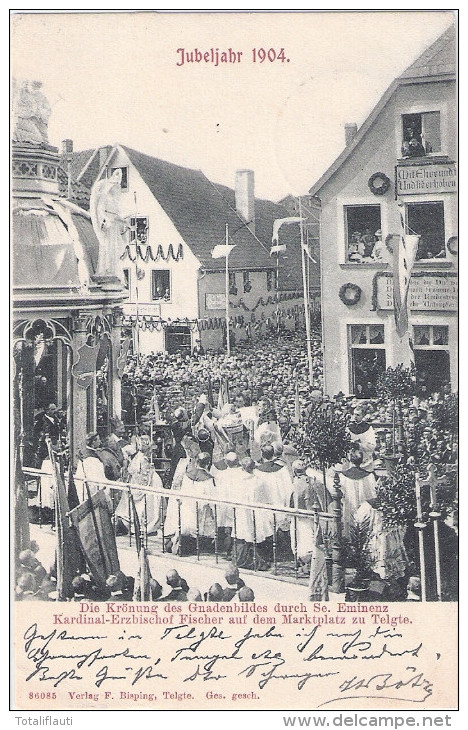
(177, 592)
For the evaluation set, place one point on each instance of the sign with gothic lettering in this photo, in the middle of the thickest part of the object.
(428, 291)
(417, 179)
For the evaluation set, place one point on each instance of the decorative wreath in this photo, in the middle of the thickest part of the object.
(350, 294)
(452, 245)
(379, 183)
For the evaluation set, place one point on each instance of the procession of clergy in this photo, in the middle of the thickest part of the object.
(233, 480)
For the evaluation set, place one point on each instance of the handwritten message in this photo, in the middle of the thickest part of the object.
(200, 655)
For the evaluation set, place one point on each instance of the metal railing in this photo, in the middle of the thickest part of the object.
(330, 522)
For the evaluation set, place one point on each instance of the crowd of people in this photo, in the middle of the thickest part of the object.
(273, 369)
(35, 583)
(225, 435)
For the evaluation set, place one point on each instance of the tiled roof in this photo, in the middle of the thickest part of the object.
(437, 60)
(78, 160)
(290, 264)
(200, 210)
(80, 194)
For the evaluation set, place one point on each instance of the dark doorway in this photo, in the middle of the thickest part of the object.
(178, 340)
(432, 370)
(367, 365)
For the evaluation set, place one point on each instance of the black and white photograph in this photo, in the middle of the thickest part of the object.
(234, 333)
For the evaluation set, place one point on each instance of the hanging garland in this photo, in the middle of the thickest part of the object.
(148, 255)
(350, 294)
(379, 183)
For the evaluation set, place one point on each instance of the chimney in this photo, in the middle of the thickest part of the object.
(350, 131)
(104, 154)
(245, 196)
(67, 146)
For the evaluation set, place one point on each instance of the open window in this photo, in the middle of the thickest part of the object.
(420, 134)
(362, 232)
(431, 357)
(124, 182)
(139, 229)
(367, 358)
(161, 285)
(427, 220)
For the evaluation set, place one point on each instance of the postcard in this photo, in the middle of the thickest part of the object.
(234, 361)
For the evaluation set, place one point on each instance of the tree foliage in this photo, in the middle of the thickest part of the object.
(396, 496)
(397, 383)
(357, 553)
(446, 414)
(325, 439)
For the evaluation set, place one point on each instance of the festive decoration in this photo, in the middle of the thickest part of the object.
(84, 366)
(379, 183)
(397, 383)
(452, 245)
(357, 553)
(148, 255)
(350, 294)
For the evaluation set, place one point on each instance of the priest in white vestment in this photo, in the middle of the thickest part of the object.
(305, 496)
(90, 469)
(385, 544)
(358, 486)
(149, 506)
(199, 483)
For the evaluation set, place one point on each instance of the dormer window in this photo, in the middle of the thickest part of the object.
(420, 134)
(124, 182)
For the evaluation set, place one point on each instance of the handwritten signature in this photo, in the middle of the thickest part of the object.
(188, 654)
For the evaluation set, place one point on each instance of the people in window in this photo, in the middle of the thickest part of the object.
(367, 247)
(380, 251)
(368, 239)
(356, 248)
(412, 144)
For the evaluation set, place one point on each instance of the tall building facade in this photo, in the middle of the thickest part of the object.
(397, 177)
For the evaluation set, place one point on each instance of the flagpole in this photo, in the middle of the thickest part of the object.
(306, 298)
(228, 343)
(137, 328)
(277, 294)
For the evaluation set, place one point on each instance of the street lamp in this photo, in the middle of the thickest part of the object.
(222, 250)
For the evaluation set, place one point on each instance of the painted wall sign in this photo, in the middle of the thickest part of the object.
(215, 301)
(417, 179)
(428, 292)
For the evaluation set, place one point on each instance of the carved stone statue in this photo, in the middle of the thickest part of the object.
(31, 112)
(104, 207)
